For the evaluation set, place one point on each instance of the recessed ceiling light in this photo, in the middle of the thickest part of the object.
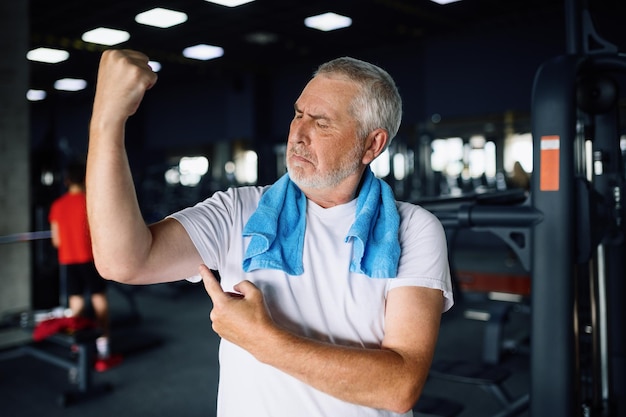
(161, 18)
(444, 1)
(70, 84)
(48, 55)
(105, 36)
(203, 52)
(328, 21)
(229, 3)
(155, 65)
(35, 95)
(262, 38)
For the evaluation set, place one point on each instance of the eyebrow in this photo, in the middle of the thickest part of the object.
(313, 116)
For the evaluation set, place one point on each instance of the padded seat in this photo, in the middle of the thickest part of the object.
(488, 377)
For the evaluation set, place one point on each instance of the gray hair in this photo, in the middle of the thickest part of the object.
(378, 104)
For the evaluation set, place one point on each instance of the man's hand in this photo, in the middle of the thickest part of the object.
(242, 317)
(123, 78)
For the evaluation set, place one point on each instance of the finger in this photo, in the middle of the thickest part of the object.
(234, 294)
(142, 61)
(212, 286)
(246, 288)
(147, 76)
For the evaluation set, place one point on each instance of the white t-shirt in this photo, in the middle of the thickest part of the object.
(326, 303)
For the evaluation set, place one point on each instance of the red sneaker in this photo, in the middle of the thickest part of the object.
(112, 361)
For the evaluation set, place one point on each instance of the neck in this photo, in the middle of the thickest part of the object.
(336, 195)
(75, 189)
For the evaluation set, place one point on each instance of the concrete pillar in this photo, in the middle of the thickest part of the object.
(15, 210)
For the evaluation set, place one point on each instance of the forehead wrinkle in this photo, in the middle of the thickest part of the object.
(321, 99)
(313, 114)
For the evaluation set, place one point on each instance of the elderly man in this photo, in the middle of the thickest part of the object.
(331, 292)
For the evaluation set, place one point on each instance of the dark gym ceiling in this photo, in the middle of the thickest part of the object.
(376, 24)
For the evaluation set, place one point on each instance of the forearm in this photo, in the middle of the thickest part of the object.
(121, 239)
(377, 378)
(390, 377)
(125, 248)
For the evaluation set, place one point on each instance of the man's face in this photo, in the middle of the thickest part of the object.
(323, 148)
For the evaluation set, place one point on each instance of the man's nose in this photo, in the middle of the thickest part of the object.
(299, 130)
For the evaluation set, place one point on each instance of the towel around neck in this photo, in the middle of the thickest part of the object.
(278, 225)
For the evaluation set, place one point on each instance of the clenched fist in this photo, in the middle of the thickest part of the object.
(123, 78)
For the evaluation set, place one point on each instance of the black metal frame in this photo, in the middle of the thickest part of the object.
(571, 233)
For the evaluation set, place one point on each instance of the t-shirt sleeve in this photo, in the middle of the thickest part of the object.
(213, 223)
(424, 253)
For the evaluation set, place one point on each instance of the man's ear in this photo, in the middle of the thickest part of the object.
(375, 144)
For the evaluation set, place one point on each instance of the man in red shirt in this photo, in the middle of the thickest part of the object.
(71, 237)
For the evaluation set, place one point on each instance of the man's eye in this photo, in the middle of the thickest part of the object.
(322, 125)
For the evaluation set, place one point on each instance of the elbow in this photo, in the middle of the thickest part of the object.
(112, 271)
(404, 398)
(404, 404)
(116, 263)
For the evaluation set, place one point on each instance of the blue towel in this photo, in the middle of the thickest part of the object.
(277, 230)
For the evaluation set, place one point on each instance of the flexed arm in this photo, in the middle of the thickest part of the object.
(125, 248)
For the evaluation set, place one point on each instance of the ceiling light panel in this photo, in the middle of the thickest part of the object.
(203, 52)
(35, 95)
(155, 65)
(70, 84)
(229, 3)
(47, 55)
(261, 38)
(161, 18)
(328, 21)
(106, 36)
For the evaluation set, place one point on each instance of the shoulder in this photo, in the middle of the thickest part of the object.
(417, 223)
(413, 213)
(237, 195)
(59, 203)
(230, 202)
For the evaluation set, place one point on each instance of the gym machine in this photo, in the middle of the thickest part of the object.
(577, 342)
(570, 234)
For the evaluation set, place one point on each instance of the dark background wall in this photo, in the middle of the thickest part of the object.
(469, 75)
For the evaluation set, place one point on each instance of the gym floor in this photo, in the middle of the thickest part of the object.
(170, 361)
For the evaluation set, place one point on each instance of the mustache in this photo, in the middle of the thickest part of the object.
(300, 151)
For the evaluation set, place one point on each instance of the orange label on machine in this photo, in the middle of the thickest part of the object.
(549, 168)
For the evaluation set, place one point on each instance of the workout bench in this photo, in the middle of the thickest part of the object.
(488, 377)
(74, 352)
